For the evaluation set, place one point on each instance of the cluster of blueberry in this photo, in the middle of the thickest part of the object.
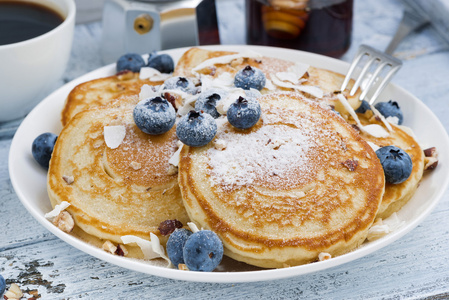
(134, 62)
(199, 251)
(198, 127)
(387, 109)
(396, 163)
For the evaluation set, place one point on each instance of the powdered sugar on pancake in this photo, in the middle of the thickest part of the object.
(274, 154)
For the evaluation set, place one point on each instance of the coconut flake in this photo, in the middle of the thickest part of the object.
(269, 85)
(372, 129)
(147, 91)
(223, 81)
(384, 227)
(377, 231)
(57, 210)
(382, 118)
(312, 90)
(393, 222)
(193, 227)
(374, 146)
(114, 135)
(299, 69)
(233, 94)
(225, 59)
(151, 249)
(287, 76)
(180, 93)
(152, 74)
(174, 160)
(188, 105)
(393, 120)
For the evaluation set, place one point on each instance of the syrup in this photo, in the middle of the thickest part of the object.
(325, 31)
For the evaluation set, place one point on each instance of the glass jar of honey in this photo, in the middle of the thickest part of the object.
(319, 26)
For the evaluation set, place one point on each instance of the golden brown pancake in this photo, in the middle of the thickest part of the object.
(128, 190)
(102, 91)
(326, 80)
(298, 183)
(396, 195)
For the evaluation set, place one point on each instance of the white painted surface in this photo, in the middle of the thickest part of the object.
(414, 267)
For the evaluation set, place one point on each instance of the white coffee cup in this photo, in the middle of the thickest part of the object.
(29, 69)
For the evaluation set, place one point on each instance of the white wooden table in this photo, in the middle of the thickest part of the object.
(414, 267)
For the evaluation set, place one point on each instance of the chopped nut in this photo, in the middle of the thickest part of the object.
(220, 144)
(174, 100)
(172, 170)
(182, 267)
(109, 247)
(135, 165)
(430, 152)
(68, 179)
(324, 256)
(168, 226)
(351, 164)
(121, 250)
(14, 292)
(64, 221)
(430, 163)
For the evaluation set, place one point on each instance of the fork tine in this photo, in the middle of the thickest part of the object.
(374, 55)
(384, 83)
(372, 79)
(354, 63)
(362, 75)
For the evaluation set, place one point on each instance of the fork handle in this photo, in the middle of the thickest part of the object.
(410, 22)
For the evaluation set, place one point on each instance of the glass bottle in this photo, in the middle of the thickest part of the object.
(319, 26)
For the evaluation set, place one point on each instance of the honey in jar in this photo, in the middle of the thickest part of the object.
(319, 26)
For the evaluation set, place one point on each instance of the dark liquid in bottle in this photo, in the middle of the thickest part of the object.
(325, 31)
(208, 23)
(21, 21)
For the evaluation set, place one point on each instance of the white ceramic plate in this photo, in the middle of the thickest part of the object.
(29, 179)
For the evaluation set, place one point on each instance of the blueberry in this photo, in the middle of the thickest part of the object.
(250, 77)
(364, 106)
(130, 61)
(180, 83)
(390, 109)
(162, 62)
(2, 285)
(396, 163)
(196, 129)
(154, 115)
(203, 251)
(175, 245)
(208, 100)
(42, 148)
(244, 113)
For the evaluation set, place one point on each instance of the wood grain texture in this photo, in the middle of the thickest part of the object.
(414, 267)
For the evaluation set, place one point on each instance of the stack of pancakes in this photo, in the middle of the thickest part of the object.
(301, 182)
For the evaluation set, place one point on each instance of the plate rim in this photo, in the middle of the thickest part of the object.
(217, 277)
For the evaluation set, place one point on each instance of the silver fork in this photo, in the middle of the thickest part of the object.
(381, 61)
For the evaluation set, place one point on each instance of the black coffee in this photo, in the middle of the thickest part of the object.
(20, 21)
